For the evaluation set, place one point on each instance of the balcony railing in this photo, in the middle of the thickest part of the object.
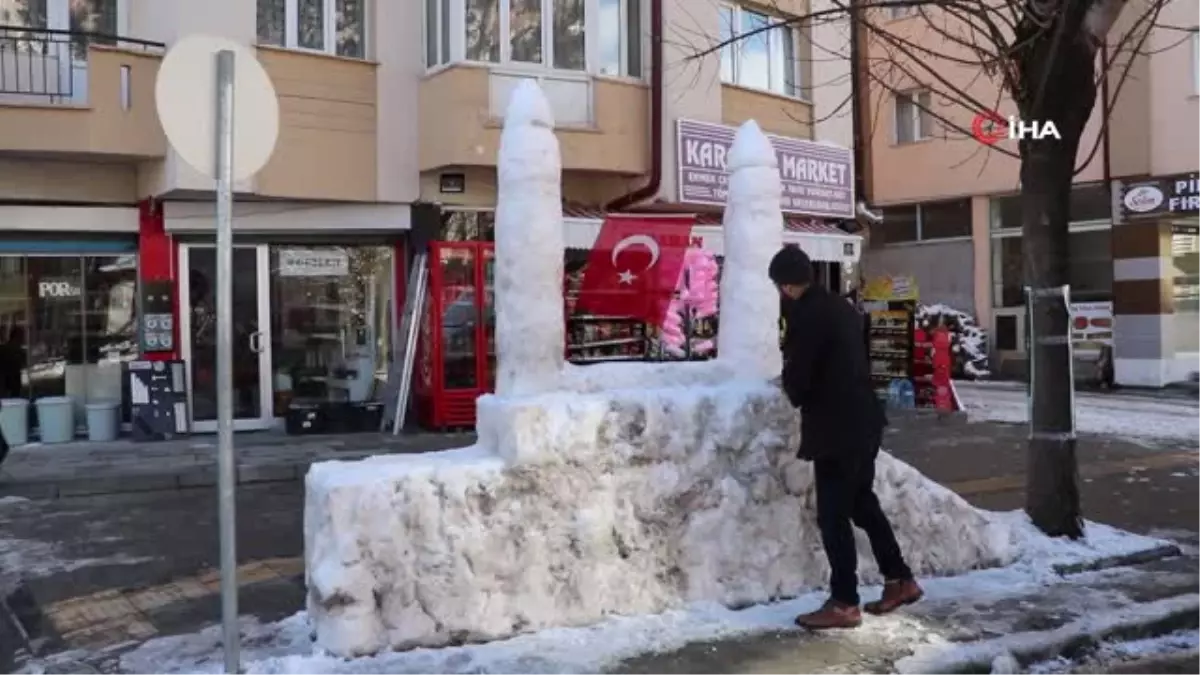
(43, 65)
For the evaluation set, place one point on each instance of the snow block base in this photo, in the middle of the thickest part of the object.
(574, 507)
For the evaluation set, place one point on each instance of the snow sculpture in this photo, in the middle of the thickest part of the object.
(753, 228)
(530, 327)
(621, 489)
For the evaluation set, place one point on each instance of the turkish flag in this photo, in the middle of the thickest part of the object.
(634, 266)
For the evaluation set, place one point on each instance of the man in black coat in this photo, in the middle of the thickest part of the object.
(826, 374)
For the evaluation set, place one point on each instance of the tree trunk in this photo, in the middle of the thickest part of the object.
(1052, 491)
(1062, 60)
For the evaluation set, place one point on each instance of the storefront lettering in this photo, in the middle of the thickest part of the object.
(817, 178)
(58, 289)
(310, 263)
(1169, 194)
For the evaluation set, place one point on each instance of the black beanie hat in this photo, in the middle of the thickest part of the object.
(791, 266)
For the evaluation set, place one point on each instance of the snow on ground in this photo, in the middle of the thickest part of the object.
(1119, 415)
(1178, 643)
(287, 646)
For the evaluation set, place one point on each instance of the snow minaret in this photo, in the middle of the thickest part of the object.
(753, 227)
(529, 248)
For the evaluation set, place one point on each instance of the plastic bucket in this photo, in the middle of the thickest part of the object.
(14, 420)
(56, 418)
(102, 422)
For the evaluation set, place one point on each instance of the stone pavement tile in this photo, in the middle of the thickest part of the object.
(111, 632)
(78, 613)
(286, 567)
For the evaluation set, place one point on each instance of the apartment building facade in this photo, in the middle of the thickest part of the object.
(952, 217)
(630, 121)
(390, 117)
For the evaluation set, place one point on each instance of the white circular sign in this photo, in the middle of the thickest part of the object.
(186, 96)
(1143, 198)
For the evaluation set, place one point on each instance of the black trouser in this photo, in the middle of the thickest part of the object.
(844, 495)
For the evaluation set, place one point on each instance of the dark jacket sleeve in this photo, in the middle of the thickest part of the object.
(801, 349)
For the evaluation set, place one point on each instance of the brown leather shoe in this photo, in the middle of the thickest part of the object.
(896, 594)
(833, 614)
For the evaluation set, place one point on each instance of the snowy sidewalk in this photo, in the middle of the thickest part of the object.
(1026, 610)
(85, 468)
(1125, 415)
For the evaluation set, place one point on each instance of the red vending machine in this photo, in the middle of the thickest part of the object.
(457, 358)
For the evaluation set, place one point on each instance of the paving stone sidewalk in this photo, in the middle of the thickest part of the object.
(85, 468)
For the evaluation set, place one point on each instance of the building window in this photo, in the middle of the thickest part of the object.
(764, 59)
(1186, 261)
(1089, 274)
(331, 26)
(1090, 203)
(930, 221)
(1196, 60)
(913, 121)
(554, 34)
(897, 10)
(620, 37)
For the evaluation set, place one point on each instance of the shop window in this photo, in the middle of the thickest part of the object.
(1185, 261)
(330, 323)
(67, 323)
(945, 220)
(1006, 333)
(1089, 203)
(899, 224)
(929, 221)
(1089, 271)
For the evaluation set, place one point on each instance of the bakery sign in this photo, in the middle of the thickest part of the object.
(1178, 194)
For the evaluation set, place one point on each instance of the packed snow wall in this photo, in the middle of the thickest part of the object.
(608, 489)
(627, 502)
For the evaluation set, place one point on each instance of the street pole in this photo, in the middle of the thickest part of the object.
(226, 461)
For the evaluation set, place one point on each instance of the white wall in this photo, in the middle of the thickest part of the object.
(830, 84)
(396, 28)
(692, 88)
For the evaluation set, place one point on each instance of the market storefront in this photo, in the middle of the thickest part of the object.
(1156, 281)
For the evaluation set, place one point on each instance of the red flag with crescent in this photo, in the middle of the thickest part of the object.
(634, 266)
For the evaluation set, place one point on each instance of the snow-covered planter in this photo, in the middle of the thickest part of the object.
(968, 341)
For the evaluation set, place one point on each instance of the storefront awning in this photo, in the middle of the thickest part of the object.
(822, 241)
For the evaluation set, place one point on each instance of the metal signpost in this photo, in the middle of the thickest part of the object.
(226, 131)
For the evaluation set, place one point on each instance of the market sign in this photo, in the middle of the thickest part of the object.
(1091, 326)
(1178, 194)
(308, 262)
(817, 178)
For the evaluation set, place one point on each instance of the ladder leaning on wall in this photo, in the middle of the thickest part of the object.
(401, 376)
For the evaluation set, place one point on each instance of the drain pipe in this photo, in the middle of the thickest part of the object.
(856, 116)
(650, 189)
